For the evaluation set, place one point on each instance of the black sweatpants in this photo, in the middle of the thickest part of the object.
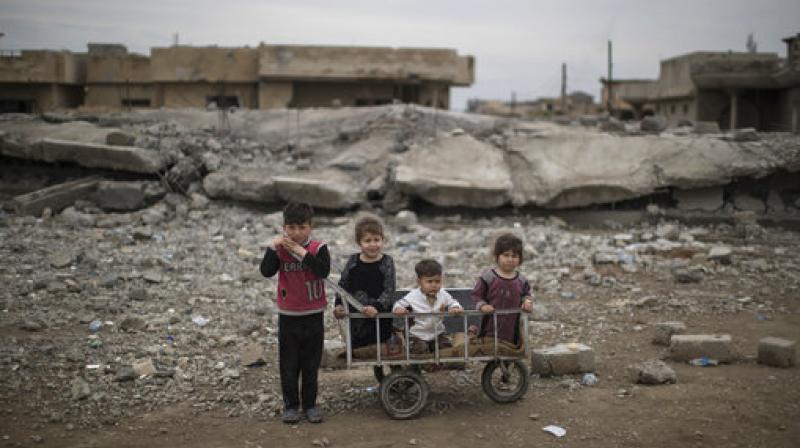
(300, 342)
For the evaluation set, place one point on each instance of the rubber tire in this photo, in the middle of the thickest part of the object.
(380, 373)
(400, 377)
(514, 365)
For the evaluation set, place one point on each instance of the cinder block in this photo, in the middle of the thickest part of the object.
(685, 347)
(777, 352)
(563, 359)
(665, 330)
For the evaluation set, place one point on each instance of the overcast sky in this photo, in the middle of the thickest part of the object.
(518, 45)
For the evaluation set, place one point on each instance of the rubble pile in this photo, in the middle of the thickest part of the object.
(109, 315)
(390, 156)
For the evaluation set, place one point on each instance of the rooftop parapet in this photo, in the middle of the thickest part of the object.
(327, 63)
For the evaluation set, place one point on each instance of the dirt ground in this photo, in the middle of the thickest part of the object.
(742, 404)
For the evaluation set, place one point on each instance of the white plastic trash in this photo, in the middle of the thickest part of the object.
(555, 430)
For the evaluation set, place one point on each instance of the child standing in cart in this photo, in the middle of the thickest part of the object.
(428, 297)
(369, 276)
(503, 287)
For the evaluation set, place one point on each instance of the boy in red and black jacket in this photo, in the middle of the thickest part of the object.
(302, 265)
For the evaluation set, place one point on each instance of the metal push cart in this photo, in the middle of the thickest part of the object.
(403, 390)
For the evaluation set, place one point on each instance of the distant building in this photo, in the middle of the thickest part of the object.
(578, 103)
(35, 80)
(264, 77)
(734, 89)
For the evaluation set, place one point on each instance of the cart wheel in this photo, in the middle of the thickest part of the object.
(403, 394)
(505, 381)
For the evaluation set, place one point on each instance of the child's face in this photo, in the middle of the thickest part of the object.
(430, 285)
(508, 261)
(298, 233)
(371, 245)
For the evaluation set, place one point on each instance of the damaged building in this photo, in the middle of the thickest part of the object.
(734, 89)
(263, 77)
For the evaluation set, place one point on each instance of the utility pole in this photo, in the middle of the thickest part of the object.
(610, 89)
(513, 103)
(564, 87)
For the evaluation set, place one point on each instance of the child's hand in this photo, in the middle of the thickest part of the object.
(339, 312)
(370, 311)
(400, 311)
(290, 245)
(277, 242)
(486, 308)
(527, 305)
(456, 310)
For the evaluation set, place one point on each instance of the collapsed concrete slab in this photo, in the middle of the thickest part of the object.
(456, 171)
(558, 167)
(76, 142)
(253, 185)
(329, 189)
(56, 197)
(665, 330)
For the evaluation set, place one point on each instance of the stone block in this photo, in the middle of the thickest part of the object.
(777, 352)
(665, 330)
(562, 359)
(685, 347)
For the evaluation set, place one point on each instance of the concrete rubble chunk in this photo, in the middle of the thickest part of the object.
(665, 330)
(144, 367)
(685, 347)
(562, 359)
(652, 372)
(456, 171)
(722, 254)
(328, 189)
(56, 197)
(80, 389)
(126, 195)
(253, 185)
(253, 355)
(777, 352)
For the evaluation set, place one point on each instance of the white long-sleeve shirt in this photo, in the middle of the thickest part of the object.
(426, 327)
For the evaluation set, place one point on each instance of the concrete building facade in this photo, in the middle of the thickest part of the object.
(734, 89)
(34, 81)
(265, 77)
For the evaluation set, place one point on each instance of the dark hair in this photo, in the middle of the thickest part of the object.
(506, 242)
(368, 224)
(297, 213)
(428, 268)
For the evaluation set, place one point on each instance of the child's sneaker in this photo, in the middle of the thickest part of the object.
(291, 416)
(314, 415)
